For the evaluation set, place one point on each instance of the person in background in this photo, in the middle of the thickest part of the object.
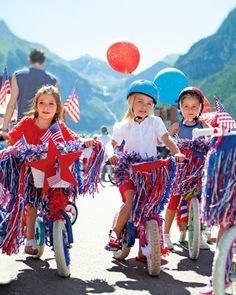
(24, 85)
(104, 137)
(190, 104)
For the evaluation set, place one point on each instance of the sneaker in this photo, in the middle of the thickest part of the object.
(114, 244)
(208, 289)
(203, 244)
(167, 242)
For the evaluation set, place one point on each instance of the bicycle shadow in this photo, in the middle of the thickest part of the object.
(140, 280)
(202, 265)
(40, 279)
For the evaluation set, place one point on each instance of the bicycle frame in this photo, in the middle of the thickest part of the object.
(152, 181)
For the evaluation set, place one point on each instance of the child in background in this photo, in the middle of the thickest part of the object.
(140, 131)
(190, 104)
(46, 110)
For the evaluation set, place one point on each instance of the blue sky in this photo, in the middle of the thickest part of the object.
(72, 28)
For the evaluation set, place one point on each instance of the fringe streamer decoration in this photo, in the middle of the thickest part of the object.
(189, 174)
(219, 182)
(92, 173)
(17, 189)
(153, 183)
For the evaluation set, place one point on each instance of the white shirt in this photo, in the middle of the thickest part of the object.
(104, 138)
(141, 138)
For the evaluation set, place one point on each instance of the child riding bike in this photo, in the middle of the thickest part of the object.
(41, 124)
(190, 104)
(140, 131)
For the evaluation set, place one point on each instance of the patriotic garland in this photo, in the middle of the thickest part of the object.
(17, 188)
(188, 182)
(219, 183)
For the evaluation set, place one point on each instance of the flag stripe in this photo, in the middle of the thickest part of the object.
(54, 133)
(5, 88)
(71, 106)
(223, 118)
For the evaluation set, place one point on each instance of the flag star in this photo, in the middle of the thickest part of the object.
(48, 165)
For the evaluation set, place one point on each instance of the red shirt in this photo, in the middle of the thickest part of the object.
(33, 133)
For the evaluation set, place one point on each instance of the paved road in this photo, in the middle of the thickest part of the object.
(94, 271)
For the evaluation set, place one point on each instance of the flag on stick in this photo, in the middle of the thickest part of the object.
(5, 88)
(54, 133)
(223, 118)
(71, 106)
(21, 142)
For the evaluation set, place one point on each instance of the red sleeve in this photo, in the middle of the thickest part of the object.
(14, 135)
(67, 133)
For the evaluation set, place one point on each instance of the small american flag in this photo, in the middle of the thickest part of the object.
(52, 180)
(71, 106)
(6, 88)
(54, 133)
(223, 118)
(21, 142)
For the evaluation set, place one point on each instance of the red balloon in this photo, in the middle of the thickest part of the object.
(123, 57)
(206, 106)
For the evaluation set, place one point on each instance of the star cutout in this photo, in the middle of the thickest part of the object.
(49, 164)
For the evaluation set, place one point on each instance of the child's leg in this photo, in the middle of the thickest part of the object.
(31, 218)
(30, 246)
(124, 213)
(169, 217)
(170, 213)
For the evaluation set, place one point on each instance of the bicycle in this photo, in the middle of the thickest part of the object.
(108, 173)
(219, 207)
(152, 187)
(188, 185)
(53, 226)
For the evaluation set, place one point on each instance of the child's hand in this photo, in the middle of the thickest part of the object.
(88, 142)
(179, 157)
(113, 160)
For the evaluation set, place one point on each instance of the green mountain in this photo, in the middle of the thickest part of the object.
(14, 53)
(211, 64)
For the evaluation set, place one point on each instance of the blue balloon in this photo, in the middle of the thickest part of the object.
(170, 82)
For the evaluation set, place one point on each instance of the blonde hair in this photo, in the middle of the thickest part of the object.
(129, 115)
(53, 91)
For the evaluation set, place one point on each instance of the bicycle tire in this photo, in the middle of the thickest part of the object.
(40, 234)
(124, 251)
(110, 175)
(223, 257)
(153, 238)
(61, 248)
(194, 229)
(72, 211)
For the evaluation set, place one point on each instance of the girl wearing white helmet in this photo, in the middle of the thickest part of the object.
(140, 132)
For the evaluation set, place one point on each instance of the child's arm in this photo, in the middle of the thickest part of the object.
(174, 129)
(169, 142)
(110, 147)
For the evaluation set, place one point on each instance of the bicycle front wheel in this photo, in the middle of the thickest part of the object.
(153, 239)
(40, 234)
(61, 248)
(224, 264)
(194, 229)
(124, 251)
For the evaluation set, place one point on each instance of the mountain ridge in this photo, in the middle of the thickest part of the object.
(209, 64)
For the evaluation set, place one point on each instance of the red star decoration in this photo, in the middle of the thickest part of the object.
(48, 165)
